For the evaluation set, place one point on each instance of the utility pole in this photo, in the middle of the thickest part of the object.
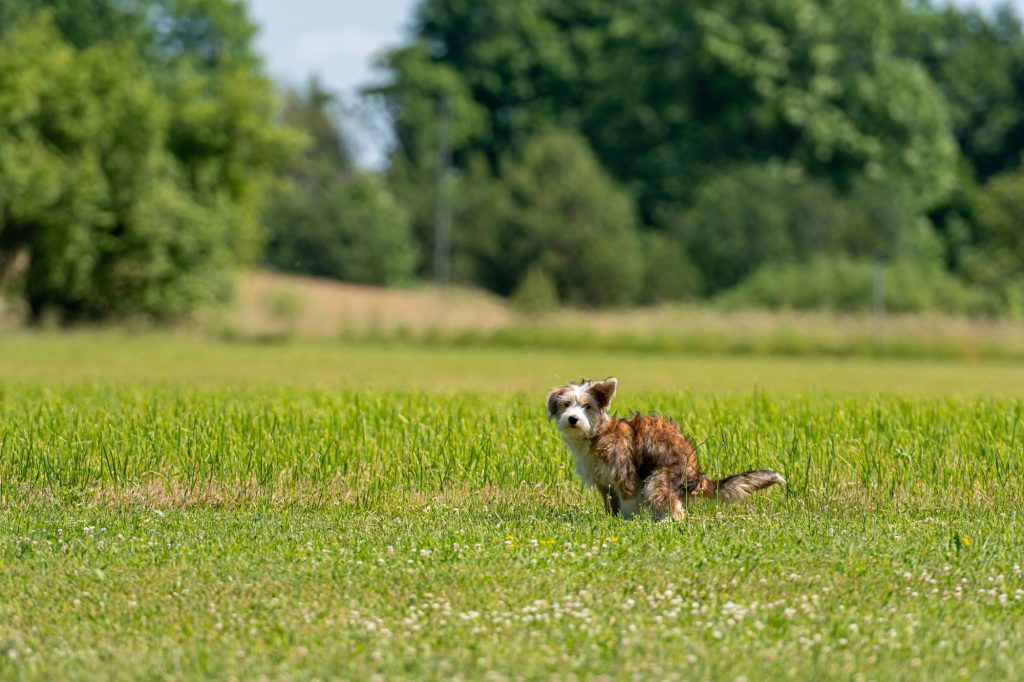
(878, 282)
(443, 199)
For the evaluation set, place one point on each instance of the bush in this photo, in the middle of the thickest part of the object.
(328, 220)
(347, 228)
(535, 294)
(88, 195)
(886, 218)
(997, 259)
(669, 274)
(843, 284)
(756, 214)
(554, 208)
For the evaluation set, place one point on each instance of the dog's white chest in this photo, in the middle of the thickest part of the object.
(590, 470)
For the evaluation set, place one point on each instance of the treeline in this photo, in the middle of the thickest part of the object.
(753, 151)
(750, 152)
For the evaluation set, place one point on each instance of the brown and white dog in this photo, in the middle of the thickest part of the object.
(640, 461)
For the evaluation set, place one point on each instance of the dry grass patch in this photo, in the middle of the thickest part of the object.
(308, 307)
(272, 305)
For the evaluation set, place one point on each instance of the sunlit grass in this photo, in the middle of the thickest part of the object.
(374, 449)
(184, 360)
(174, 508)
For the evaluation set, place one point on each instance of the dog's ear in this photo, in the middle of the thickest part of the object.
(553, 398)
(604, 391)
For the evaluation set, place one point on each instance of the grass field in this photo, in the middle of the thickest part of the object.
(178, 508)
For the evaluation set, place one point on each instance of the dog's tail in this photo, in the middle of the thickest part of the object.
(735, 488)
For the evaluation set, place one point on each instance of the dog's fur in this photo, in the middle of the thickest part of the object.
(643, 461)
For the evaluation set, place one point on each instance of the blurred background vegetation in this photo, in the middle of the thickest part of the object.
(748, 153)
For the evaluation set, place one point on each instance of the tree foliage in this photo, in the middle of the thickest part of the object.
(128, 186)
(604, 152)
(756, 214)
(977, 61)
(327, 219)
(746, 132)
(666, 91)
(347, 228)
(996, 258)
(845, 284)
(552, 210)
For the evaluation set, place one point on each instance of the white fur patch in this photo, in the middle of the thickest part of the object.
(629, 508)
(578, 415)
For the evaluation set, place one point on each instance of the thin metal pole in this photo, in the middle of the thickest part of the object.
(879, 285)
(443, 202)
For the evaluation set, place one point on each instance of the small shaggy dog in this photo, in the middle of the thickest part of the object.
(643, 460)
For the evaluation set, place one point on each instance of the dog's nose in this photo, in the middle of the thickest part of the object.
(572, 421)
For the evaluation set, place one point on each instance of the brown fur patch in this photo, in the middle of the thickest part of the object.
(553, 399)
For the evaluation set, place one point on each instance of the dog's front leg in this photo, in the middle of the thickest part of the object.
(627, 500)
(611, 500)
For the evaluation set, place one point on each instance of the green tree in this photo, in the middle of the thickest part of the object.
(84, 178)
(845, 284)
(996, 259)
(562, 215)
(164, 33)
(757, 214)
(328, 220)
(421, 92)
(665, 91)
(199, 54)
(347, 228)
(112, 213)
(669, 272)
(976, 59)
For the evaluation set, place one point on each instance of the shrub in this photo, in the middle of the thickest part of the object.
(535, 294)
(997, 259)
(843, 284)
(756, 214)
(329, 220)
(347, 228)
(554, 208)
(669, 273)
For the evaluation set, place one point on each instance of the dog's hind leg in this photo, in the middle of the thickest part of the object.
(661, 492)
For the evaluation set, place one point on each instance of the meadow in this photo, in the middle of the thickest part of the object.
(183, 508)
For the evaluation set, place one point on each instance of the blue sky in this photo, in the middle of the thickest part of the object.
(339, 39)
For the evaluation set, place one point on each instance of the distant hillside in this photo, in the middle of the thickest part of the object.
(272, 303)
(269, 305)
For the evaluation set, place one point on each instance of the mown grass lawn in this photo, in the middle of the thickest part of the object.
(156, 527)
(776, 590)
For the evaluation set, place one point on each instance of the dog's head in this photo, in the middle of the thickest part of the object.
(580, 408)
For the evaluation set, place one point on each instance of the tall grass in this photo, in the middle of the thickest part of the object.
(371, 448)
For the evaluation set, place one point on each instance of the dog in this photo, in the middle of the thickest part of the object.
(643, 461)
